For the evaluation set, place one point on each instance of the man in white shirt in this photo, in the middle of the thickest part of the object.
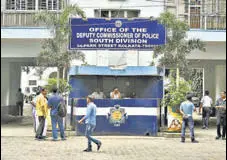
(115, 94)
(98, 94)
(206, 103)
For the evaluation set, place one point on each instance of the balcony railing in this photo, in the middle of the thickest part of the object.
(208, 22)
(20, 19)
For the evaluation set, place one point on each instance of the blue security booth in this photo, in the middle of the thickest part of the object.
(138, 110)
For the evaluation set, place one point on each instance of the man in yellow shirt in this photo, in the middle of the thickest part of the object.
(41, 111)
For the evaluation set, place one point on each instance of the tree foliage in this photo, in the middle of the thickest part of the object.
(55, 51)
(177, 47)
(64, 86)
(175, 97)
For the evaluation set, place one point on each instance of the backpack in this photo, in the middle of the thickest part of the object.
(61, 109)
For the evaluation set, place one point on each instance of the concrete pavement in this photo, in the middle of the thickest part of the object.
(18, 144)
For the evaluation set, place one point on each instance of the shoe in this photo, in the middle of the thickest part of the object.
(203, 127)
(207, 128)
(63, 139)
(99, 146)
(39, 138)
(218, 137)
(88, 150)
(194, 141)
(55, 140)
(44, 137)
(182, 140)
(223, 138)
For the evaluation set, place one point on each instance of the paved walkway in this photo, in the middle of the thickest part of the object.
(18, 144)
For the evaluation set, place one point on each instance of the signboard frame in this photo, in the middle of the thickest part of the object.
(135, 20)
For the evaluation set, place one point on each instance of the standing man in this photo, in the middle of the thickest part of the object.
(90, 121)
(35, 119)
(221, 116)
(41, 111)
(20, 102)
(206, 103)
(186, 109)
(53, 103)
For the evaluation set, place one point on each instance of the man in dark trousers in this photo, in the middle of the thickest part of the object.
(221, 116)
(42, 112)
(90, 121)
(206, 103)
(20, 102)
(53, 103)
(186, 109)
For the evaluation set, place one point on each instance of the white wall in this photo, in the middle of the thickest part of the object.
(214, 51)
(207, 35)
(20, 47)
(3, 3)
(5, 69)
(32, 76)
(148, 8)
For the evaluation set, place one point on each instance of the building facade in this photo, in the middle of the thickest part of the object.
(21, 37)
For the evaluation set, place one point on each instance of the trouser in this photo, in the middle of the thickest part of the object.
(188, 122)
(89, 130)
(19, 108)
(206, 116)
(55, 119)
(40, 129)
(37, 125)
(34, 119)
(221, 121)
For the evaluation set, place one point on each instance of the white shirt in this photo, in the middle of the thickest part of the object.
(97, 95)
(115, 96)
(206, 101)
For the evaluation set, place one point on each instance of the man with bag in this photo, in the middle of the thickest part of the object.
(56, 103)
(186, 109)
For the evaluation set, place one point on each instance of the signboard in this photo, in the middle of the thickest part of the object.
(115, 34)
(117, 116)
(174, 119)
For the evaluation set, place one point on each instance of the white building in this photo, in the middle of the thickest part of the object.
(21, 38)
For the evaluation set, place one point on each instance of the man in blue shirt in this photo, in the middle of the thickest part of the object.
(53, 103)
(221, 116)
(90, 121)
(186, 109)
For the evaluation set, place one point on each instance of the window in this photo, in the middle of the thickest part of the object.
(50, 4)
(195, 17)
(30, 4)
(20, 4)
(34, 89)
(117, 13)
(32, 82)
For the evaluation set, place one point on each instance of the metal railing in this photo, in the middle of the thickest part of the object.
(205, 22)
(26, 19)
(20, 19)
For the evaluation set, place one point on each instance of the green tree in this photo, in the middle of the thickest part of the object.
(55, 51)
(64, 87)
(175, 97)
(175, 51)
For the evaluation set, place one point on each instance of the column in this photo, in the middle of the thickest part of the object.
(220, 85)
